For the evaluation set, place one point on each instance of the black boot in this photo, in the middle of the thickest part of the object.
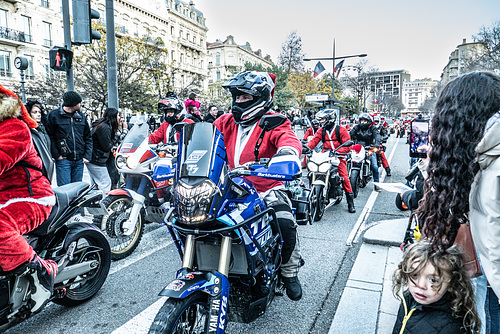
(42, 273)
(350, 202)
(293, 288)
(388, 171)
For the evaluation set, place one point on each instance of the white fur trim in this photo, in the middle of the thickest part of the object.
(45, 201)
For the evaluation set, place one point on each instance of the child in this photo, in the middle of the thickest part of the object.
(438, 296)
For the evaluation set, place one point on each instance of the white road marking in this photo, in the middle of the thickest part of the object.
(137, 256)
(140, 323)
(355, 232)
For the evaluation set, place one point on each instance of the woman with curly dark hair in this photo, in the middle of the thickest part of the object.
(465, 109)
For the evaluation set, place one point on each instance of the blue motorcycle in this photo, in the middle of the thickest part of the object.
(229, 241)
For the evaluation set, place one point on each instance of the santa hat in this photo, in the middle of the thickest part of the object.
(273, 78)
(24, 113)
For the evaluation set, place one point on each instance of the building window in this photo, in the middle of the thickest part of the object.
(48, 71)
(5, 69)
(218, 76)
(26, 23)
(136, 29)
(180, 33)
(181, 59)
(187, 36)
(44, 3)
(172, 55)
(172, 31)
(3, 18)
(217, 59)
(30, 74)
(47, 34)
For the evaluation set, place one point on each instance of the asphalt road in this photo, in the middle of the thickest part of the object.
(129, 300)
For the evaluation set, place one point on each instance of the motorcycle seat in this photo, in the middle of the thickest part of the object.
(64, 195)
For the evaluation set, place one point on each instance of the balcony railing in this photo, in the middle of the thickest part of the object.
(14, 35)
(4, 73)
(47, 42)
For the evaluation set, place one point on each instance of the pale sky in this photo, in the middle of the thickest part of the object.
(416, 35)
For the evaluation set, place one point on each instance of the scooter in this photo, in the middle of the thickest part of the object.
(80, 250)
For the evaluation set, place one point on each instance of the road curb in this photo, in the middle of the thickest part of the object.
(387, 233)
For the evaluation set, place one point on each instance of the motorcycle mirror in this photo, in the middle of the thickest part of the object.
(178, 126)
(269, 122)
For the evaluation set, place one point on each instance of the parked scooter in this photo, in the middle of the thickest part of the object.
(143, 199)
(359, 166)
(324, 180)
(229, 241)
(80, 250)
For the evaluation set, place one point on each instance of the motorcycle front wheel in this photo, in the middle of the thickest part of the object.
(187, 315)
(81, 288)
(318, 202)
(354, 180)
(112, 226)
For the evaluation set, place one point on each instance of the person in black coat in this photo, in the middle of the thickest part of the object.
(212, 115)
(71, 141)
(437, 295)
(103, 131)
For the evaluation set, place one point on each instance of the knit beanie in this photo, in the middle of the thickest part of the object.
(71, 99)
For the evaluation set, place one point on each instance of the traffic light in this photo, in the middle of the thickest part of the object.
(60, 58)
(82, 22)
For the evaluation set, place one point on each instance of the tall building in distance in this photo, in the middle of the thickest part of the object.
(388, 83)
(29, 28)
(226, 58)
(416, 92)
(460, 57)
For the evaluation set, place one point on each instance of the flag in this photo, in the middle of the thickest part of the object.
(338, 67)
(318, 69)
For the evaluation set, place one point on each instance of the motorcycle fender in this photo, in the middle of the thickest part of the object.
(119, 192)
(319, 183)
(189, 282)
(74, 229)
(130, 193)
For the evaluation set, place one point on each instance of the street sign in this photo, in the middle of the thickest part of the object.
(316, 97)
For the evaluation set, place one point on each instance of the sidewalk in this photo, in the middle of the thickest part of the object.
(367, 305)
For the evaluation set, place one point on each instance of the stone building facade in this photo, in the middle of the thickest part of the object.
(459, 59)
(416, 92)
(226, 58)
(29, 28)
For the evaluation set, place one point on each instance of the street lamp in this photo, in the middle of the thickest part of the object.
(333, 59)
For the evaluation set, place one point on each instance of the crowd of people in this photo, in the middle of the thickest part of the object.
(458, 191)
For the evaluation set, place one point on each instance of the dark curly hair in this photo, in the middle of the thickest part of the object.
(462, 110)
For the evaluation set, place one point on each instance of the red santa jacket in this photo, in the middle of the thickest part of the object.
(161, 133)
(282, 136)
(330, 138)
(17, 147)
(309, 132)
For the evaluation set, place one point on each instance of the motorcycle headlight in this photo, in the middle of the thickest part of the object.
(312, 167)
(194, 201)
(132, 161)
(120, 161)
(324, 167)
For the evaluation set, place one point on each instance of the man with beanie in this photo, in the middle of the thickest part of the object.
(71, 140)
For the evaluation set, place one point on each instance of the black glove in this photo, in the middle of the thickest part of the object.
(306, 149)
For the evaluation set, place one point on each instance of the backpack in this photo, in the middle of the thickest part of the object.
(337, 135)
(43, 151)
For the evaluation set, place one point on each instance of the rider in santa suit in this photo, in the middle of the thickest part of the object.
(252, 94)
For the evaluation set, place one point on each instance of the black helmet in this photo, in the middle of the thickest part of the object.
(170, 103)
(367, 117)
(258, 84)
(327, 118)
(376, 119)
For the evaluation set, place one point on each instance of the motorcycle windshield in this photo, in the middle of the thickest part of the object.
(202, 151)
(134, 138)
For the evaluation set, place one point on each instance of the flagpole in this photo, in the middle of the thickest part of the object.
(333, 74)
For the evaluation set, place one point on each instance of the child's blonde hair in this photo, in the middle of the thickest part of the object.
(449, 265)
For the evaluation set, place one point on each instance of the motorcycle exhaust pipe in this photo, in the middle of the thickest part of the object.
(75, 270)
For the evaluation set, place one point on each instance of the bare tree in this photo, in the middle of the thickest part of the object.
(291, 57)
(489, 60)
(359, 82)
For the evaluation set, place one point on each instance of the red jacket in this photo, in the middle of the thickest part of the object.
(161, 133)
(17, 146)
(282, 136)
(309, 132)
(318, 137)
